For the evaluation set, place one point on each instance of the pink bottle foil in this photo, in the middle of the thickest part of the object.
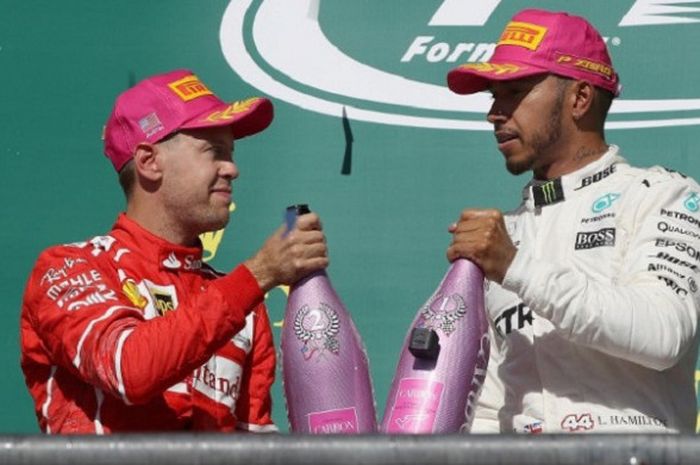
(438, 396)
(324, 364)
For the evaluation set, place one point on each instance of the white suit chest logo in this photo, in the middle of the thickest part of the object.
(172, 262)
(188, 262)
(161, 298)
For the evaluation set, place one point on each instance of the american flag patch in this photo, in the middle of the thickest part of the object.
(150, 124)
(534, 428)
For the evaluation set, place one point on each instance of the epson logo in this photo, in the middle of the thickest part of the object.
(589, 240)
(290, 51)
(600, 175)
(679, 246)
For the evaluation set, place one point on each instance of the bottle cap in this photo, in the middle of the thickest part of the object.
(292, 212)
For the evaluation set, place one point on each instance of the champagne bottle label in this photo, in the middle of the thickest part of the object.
(443, 312)
(317, 329)
(337, 421)
(415, 395)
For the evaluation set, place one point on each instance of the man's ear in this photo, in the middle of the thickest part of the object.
(583, 95)
(147, 162)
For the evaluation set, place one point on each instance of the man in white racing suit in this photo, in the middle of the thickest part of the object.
(592, 291)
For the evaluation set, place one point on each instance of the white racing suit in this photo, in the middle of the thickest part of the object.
(594, 326)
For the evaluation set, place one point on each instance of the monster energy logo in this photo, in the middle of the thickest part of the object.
(548, 193)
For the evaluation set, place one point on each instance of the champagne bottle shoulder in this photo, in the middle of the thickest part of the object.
(444, 358)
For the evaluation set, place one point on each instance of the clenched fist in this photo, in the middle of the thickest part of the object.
(481, 236)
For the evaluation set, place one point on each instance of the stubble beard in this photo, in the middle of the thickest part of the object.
(199, 218)
(541, 142)
(212, 219)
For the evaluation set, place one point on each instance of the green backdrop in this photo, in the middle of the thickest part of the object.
(387, 180)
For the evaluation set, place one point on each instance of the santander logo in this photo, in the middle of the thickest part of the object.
(279, 47)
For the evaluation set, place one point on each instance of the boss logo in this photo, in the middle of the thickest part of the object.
(589, 240)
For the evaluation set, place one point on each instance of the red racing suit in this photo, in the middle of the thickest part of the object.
(128, 332)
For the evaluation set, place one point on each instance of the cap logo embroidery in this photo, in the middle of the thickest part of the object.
(494, 68)
(585, 64)
(232, 110)
(150, 124)
(189, 88)
(523, 35)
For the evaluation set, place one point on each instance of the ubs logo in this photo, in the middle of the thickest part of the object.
(290, 51)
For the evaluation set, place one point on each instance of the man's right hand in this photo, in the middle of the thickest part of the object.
(287, 257)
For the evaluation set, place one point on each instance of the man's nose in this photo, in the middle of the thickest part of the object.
(496, 114)
(228, 170)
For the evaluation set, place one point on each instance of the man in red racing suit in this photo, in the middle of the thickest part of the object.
(130, 331)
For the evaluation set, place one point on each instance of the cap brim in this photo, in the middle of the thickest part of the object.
(246, 117)
(475, 77)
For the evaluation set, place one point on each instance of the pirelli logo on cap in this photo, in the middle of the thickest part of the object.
(189, 88)
(585, 64)
(523, 35)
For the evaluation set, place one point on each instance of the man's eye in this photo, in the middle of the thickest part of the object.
(223, 154)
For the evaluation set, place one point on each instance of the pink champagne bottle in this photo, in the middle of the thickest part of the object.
(324, 364)
(443, 360)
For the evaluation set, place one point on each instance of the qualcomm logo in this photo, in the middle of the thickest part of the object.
(279, 47)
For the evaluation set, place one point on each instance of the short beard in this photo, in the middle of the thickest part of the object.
(544, 139)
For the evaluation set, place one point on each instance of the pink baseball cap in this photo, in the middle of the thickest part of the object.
(538, 42)
(165, 103)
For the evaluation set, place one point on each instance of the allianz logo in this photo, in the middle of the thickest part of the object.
(279, 47)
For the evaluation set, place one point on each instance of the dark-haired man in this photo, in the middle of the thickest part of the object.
(592, 290)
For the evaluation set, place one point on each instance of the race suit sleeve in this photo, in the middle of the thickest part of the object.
(254, 404)
(86, 324)
(648, 315)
